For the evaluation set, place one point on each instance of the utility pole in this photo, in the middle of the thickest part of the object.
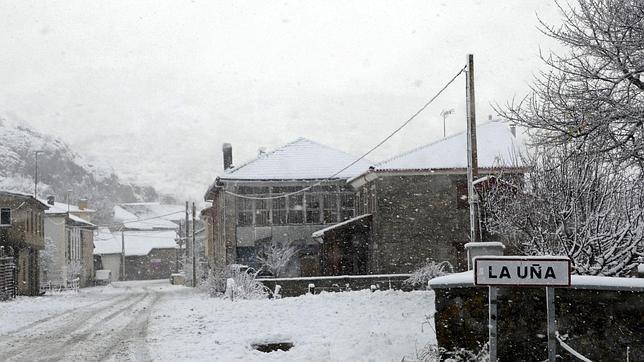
(194, 234)
(36, 174)
(472, 161)
(122, 254)
(185, 236)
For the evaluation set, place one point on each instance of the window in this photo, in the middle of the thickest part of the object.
(296, 209)
(313, 208)
(5, 216)
(346, 206)
(262, 212)
(244, 212)
(330, 208)
(279, 211)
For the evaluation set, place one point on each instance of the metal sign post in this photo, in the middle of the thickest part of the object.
(492, 322)
(522, 271)
(550, 307)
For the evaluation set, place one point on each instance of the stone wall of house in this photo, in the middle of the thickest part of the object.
(599, 324)
(87, 251)
(415, 218)
(158, 264)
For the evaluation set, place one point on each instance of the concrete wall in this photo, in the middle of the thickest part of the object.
(112, 262)
(600, 323)
(55, 262)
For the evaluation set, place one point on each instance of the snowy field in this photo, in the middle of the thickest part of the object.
(156, 321)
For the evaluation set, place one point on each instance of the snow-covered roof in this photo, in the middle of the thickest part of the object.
(132, 221)
(62, 208)
(301, 159)
(22, 195)
(320, 233)
(496, 147)
(106, 243)
(80, 220)
(146, 210)
(136, 242)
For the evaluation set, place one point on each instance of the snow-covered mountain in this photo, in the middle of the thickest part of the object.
(61, 171)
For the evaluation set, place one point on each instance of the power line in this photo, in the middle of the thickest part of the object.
(359, 158)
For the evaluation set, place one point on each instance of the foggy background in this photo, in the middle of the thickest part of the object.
(153, 88)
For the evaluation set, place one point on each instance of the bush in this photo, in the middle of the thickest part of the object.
(246, 285)
(430, 270)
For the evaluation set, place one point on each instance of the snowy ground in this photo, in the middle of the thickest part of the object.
(157, 321)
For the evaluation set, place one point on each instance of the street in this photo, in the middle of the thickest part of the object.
(110, 327)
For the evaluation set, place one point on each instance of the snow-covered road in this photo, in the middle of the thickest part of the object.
(152, 320)
(96, 324)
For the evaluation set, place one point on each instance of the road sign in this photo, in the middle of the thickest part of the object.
(522, 271)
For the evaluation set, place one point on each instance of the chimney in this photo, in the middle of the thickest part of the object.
(227, 149)
(82, 204)
(513, 129)
(51, 200)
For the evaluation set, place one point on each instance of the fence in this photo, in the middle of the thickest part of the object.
(7, 278)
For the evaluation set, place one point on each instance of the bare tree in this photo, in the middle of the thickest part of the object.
(594, 93)
(575, 205)
(275, 258)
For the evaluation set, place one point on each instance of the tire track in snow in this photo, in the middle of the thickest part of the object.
(111, 301)
(51, 343)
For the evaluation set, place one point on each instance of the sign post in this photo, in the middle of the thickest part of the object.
(522, 271)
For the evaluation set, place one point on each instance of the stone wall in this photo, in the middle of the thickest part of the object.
(293, 287)
(600, 321)
(415, 218)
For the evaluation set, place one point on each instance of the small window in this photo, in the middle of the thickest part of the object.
(313, 208)
(5, 216)
(245, 212)
(279, 211)
(346, 204)
(296, 209)
(330, 208)
(262, 212)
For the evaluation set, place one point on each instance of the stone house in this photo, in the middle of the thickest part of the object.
(258, 205)
(21, 239)
(69, 244)
(414, 207)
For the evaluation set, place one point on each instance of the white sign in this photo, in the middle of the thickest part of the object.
(524, 271)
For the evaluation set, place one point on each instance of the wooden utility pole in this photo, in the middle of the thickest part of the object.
(122, 254)
(185, 236)
(472, 161)
(194, 235)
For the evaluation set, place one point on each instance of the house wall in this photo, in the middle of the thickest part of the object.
(25, 236)
(26, 227)
(54, 268)
(87, 256)
(112, 262)
(228, 236)
(158, 264)
(415, 218)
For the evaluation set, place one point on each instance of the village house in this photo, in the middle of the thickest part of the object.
(414, 207)
(69, 244)
(148, 234)
(259, 205)
(21, 239)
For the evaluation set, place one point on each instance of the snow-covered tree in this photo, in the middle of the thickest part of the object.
(593, 94)
(276, 257)
(575, 205)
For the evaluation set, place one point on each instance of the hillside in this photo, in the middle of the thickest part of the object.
(61, 169)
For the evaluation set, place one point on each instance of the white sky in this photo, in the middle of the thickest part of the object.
(154, 87)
